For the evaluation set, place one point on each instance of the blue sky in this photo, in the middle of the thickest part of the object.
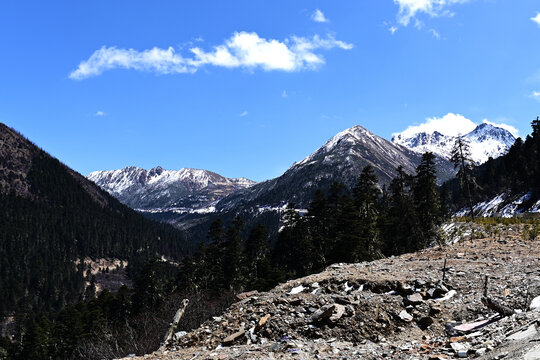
(245, 88)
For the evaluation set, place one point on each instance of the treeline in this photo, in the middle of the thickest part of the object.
(515, 173)
(344, 225)
(42, 235)
(107, 326)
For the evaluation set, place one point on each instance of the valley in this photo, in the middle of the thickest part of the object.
(306, 180)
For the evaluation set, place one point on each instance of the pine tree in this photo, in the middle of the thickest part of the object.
(294, 248)
(535, 145)
(400, 229)
(427, 199)
(349, 245)
(232, 265)
(211, 259)
(461, 158)
(366, 197)
(256, 252)
(318, 226)
(216, 231)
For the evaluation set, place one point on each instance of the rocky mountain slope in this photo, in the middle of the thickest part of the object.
(341, 159)
(486, 140)
(404, 307)
(50, 216)
(183, 190)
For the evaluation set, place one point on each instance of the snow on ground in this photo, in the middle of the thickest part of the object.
(502, 205)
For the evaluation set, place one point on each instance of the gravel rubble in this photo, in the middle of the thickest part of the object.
(394, 308)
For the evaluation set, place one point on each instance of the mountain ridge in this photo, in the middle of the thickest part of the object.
(158, 188)
(50, 217)
(341, 158)
(486, 140)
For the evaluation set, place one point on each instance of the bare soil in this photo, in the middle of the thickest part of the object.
(394, 308)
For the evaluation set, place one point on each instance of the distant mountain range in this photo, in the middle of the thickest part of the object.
(486, 141)
(341, 159)
(184, 190)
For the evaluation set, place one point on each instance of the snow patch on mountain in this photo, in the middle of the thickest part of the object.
(158, 189)
(354, 136)
(486, 139)
(503, 205)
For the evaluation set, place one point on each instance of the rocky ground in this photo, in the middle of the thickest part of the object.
(395, 308)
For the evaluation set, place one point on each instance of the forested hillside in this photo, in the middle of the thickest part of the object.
(514, 176)
(51, 216)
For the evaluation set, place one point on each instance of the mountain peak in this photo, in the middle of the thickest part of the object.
(486, 140)
(342, 158)
(163, 189)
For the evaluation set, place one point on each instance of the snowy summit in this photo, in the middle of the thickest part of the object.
(160, 189)
(486, 140)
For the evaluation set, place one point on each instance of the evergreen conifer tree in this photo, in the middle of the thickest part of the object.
(232, 265)
(461, 158)
(366, 197)
(256, 252)
(427, 199)
(401, 226)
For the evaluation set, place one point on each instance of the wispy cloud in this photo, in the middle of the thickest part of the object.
(435, 33)
(245, 113)
(284, 94)
(536, 18)
(392, 29)
(409, 9)
(241, 50)
(318, 16)
(99, 113)
(535, 95)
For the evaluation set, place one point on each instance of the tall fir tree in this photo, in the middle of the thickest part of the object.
(400, 229)
(535, 146)
(427, 200)
(233, 259)
(461, 158)
(366, 197)
(319, 228)
(256, 256)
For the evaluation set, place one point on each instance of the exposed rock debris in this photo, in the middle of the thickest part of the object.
(395, 308)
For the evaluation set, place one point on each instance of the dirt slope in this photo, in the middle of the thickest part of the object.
(396, 308)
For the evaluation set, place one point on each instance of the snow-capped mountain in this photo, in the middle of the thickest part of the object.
(342, 158)
(486, 140)
(183, 190)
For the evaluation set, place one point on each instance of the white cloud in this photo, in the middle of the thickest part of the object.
(510, 128)
(409, 9)
(284, 94)
(244, 113)
(318, 16)
(451, 125)
(99, 113)
(535, 95)
(536, 19)
(392, 29)
(435, 33)
(241, 50)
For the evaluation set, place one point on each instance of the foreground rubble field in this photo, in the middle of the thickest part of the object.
(395, 308)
